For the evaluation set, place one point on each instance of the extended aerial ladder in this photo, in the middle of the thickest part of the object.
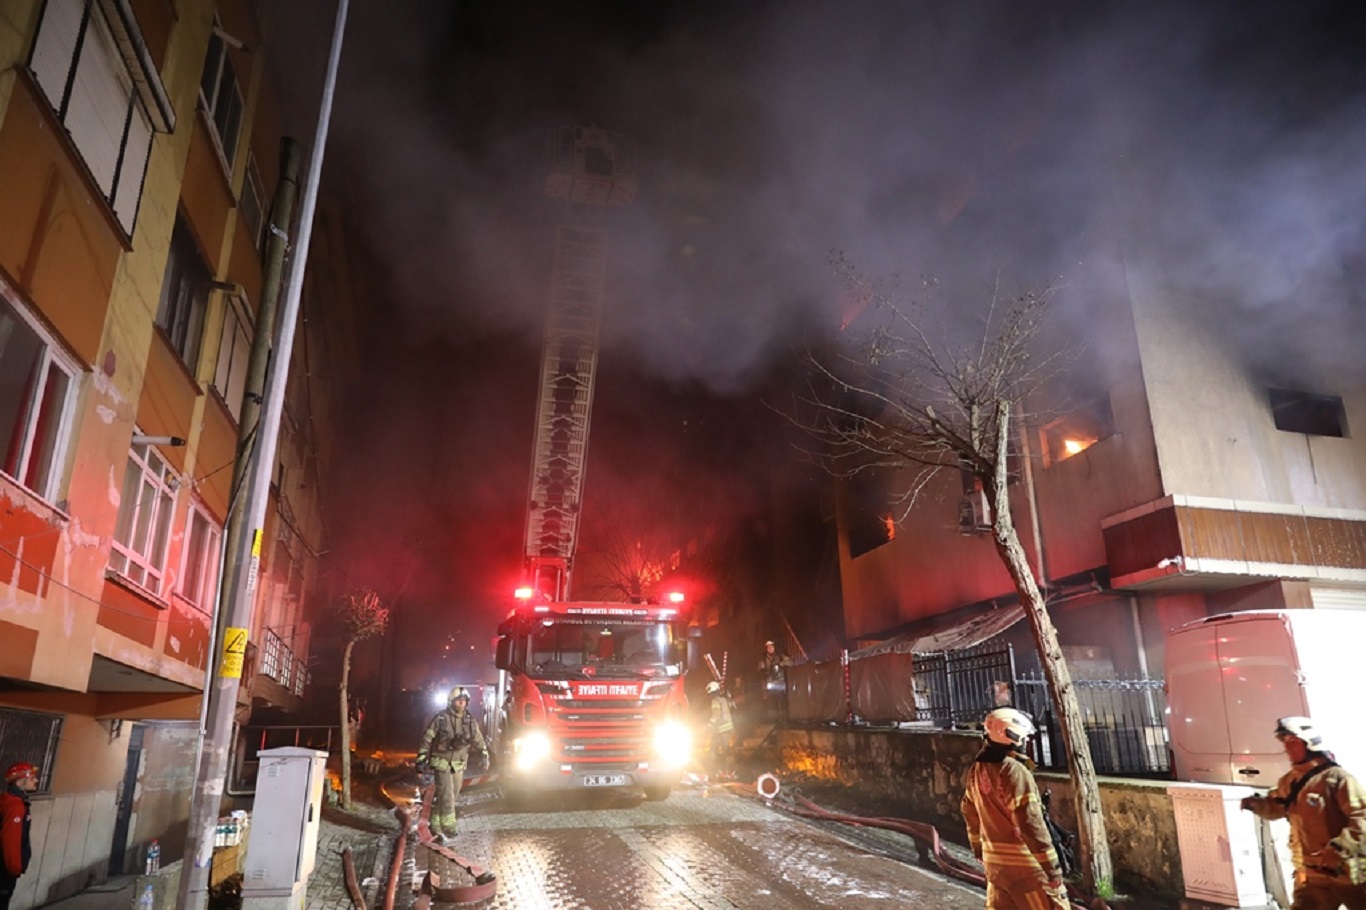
(591, 170)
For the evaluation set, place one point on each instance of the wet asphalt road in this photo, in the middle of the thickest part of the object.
(714, 849)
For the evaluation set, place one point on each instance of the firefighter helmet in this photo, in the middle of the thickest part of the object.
(458, 693)
(1303, 729)
(1008, 726)
(713, 687)
(20, 771)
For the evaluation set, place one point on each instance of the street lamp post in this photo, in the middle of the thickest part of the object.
(236, 599)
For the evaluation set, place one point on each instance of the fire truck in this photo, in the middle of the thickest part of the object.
(592, 697)
(591, 693)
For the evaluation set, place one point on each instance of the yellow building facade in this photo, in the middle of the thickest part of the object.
(139, 145)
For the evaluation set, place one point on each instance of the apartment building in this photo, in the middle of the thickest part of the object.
(1180, 472)
(139, 149)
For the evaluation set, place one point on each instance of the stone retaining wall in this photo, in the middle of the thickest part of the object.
(920, 773)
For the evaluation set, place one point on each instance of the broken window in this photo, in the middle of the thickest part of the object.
(1305, 412)
(1075, 432)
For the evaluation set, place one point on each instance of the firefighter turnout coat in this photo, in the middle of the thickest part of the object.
(1324, 803)
(1007, 831)
(448, 739)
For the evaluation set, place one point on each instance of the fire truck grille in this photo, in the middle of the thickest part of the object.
(614, 749)
(615, 704)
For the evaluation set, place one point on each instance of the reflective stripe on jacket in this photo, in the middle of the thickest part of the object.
(1004, 816)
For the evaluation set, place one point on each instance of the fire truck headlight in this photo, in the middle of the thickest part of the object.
(673, 744)
(530, 750)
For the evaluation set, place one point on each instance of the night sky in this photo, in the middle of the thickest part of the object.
(960, 140)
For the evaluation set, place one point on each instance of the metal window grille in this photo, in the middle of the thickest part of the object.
(1124, 721)
(270, 655)
(286, 667)
(1124, 718)
(300, 678)
(30, 736)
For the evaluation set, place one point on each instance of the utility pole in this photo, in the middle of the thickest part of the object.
(237, 597)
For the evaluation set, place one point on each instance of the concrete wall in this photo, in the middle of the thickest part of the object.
(919, 774)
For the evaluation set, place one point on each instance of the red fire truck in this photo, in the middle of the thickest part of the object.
(592, 696)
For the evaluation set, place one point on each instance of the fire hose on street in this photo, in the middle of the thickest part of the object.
(485, 882)
(925, 835)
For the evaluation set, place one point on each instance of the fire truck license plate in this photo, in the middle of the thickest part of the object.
(604, 780)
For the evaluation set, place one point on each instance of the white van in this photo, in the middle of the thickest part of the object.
(1229, 677)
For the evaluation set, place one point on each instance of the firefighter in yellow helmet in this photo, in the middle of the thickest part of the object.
(1327, 811)
(721, 726)
(446, 745)
(1005, 820)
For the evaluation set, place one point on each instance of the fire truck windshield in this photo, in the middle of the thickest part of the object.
(598, 649)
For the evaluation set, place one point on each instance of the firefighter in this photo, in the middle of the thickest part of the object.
(1005, 820)
(773, 680)
(16, 819)
(446, 745)
(722, 726)
(1327, 811)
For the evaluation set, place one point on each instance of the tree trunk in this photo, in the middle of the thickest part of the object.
(1094, 860)
(346, 727)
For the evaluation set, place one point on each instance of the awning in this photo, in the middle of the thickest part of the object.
(950, 636)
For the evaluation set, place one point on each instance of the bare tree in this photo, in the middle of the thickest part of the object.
(364, 616)
(626, 562)
(916, 400)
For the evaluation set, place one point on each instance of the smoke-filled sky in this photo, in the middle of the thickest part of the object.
(921, 137)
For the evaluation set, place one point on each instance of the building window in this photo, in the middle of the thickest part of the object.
(252, 203)
(1077, 431)
(220, 98)
(36, 391)
(300, 678)
(870, 516)
(199, 565)
(234, 351)
(1303, 412)
(144, 522)
(30, 736)
(184, 295)
(87, 61)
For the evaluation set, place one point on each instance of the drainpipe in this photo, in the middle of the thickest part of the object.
(1142, 648)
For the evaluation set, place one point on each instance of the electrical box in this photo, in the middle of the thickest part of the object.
(1221, 854)
(285, 819)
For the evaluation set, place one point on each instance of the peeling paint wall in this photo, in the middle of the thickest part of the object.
(920, 774)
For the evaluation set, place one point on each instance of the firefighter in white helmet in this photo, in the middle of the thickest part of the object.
(1327, 811)
(445, 749)
(1005, 820)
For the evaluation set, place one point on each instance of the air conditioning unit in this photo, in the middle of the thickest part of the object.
(974, 515)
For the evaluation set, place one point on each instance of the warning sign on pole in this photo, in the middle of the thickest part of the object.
(234, 653)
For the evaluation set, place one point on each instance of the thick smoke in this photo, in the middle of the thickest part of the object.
(920, 138)
(958, 140)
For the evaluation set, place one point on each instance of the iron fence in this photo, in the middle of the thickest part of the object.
(1124, 718)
